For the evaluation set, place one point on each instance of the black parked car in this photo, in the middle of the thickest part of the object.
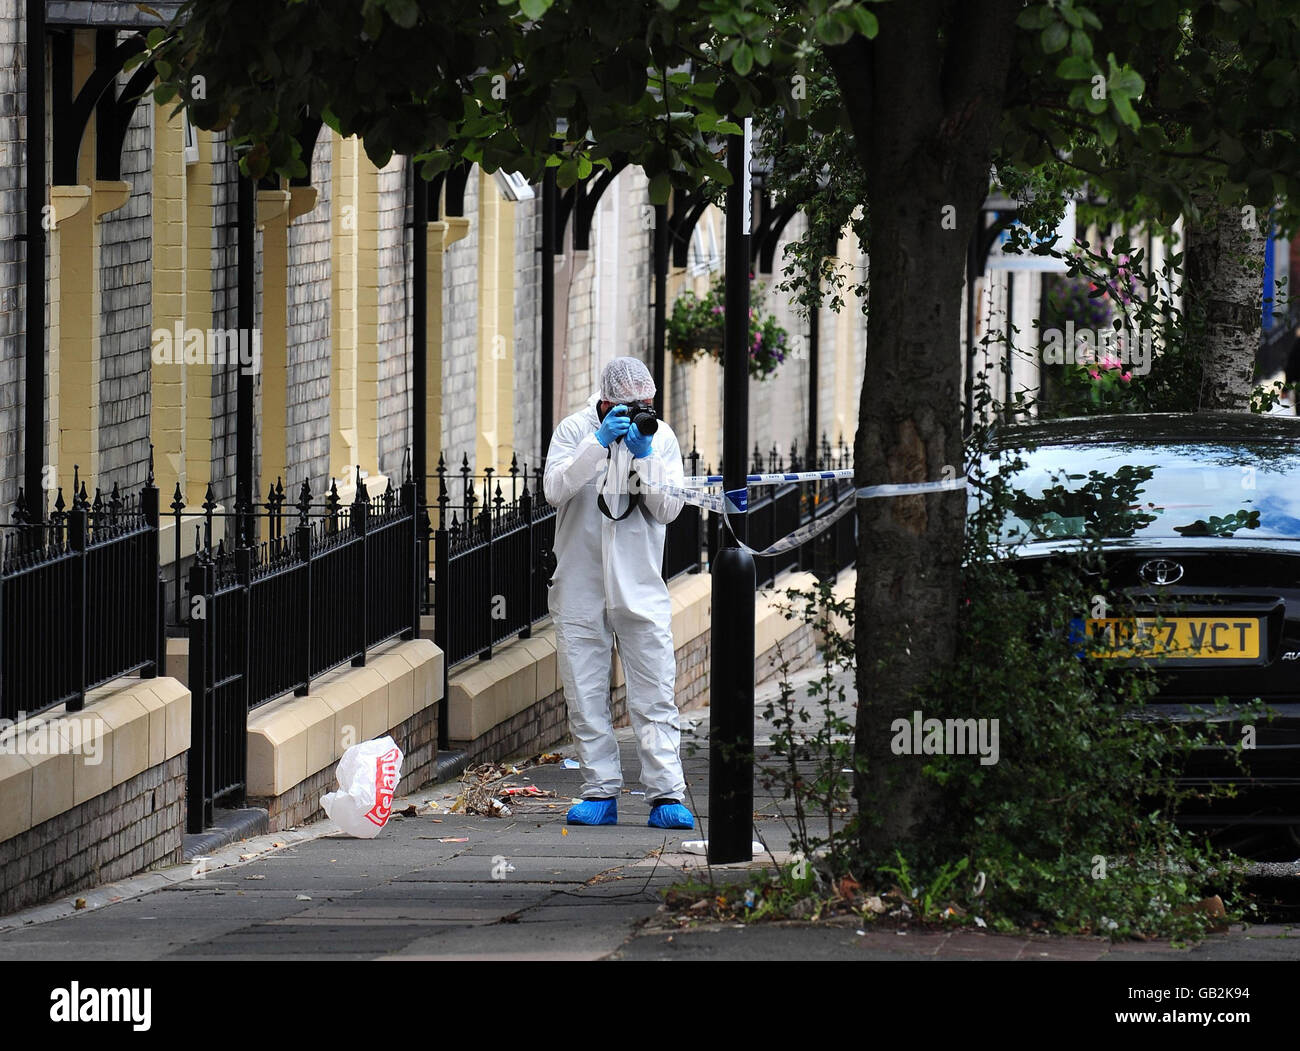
(1200, 520)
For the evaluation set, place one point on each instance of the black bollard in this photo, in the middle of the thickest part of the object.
(731, 708)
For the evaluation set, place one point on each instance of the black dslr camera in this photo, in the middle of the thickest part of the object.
(642, 414)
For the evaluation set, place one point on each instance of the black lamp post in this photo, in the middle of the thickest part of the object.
(731, 684)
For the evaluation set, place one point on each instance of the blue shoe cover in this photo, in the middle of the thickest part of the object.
(670, 815)
(594, 812)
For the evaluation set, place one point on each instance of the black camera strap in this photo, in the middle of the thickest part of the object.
(633, 494)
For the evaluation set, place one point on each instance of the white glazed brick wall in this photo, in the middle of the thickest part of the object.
(394, 320)
(528, 328)
(13, 131)
(460, 295)
(308, 345)
(126, 277)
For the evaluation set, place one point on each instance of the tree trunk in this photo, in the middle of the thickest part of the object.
(1225, 255)
(923, 120)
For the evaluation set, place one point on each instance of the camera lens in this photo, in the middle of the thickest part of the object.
(644, 416)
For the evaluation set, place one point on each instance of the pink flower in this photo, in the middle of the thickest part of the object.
(1094, 374)
(1126, 376)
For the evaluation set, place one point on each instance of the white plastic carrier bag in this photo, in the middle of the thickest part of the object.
(367, 774)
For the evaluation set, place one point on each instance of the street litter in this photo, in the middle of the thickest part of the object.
(367, 775)
(254, 877)
(303, 897)
(483, 788)
(454, 839)
(701, 846)
(638, 793)
(570, 764)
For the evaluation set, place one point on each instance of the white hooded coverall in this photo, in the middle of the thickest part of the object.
(608, 586)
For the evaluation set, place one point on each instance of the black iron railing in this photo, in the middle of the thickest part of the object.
(492, 545)
(777, 511)
(491, 551)
(492, 557)
(267, 618)
(684, 538)
(79, 598)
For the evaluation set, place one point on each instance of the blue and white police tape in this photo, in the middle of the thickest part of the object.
(703, 481)
(800, 536)
(736, 501)
(871, 492)
(819, 525)
(722, 503)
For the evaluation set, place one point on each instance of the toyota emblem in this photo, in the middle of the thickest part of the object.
(1160, 571)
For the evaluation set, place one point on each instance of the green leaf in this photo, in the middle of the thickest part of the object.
(1055, 37)
(534, 9)
(1037, 17)
(156, 36)
(568, 173)
(832, 30)
(1126, 111)
(743, 60)
(1075, 67)
(164, 93)
(660, 187)
(867, 23)
(728, 127)
(404, 13)
(1126, 81)
(434, 163)
(584, 167)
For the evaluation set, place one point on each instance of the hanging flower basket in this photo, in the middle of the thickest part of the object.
(697, 325)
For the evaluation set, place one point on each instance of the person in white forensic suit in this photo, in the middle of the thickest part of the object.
(608, 590)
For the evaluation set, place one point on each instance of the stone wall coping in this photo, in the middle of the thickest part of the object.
(54, 761)
(292, 738)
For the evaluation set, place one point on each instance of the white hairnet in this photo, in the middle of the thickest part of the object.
(626, 379)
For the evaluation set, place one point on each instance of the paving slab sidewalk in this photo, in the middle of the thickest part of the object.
(442, 886)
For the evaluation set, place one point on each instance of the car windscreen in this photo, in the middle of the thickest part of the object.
(1187, 489)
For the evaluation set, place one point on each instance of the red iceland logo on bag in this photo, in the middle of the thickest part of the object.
(385, 786)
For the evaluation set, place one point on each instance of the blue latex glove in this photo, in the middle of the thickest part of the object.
(614, 426)
(637, 443)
